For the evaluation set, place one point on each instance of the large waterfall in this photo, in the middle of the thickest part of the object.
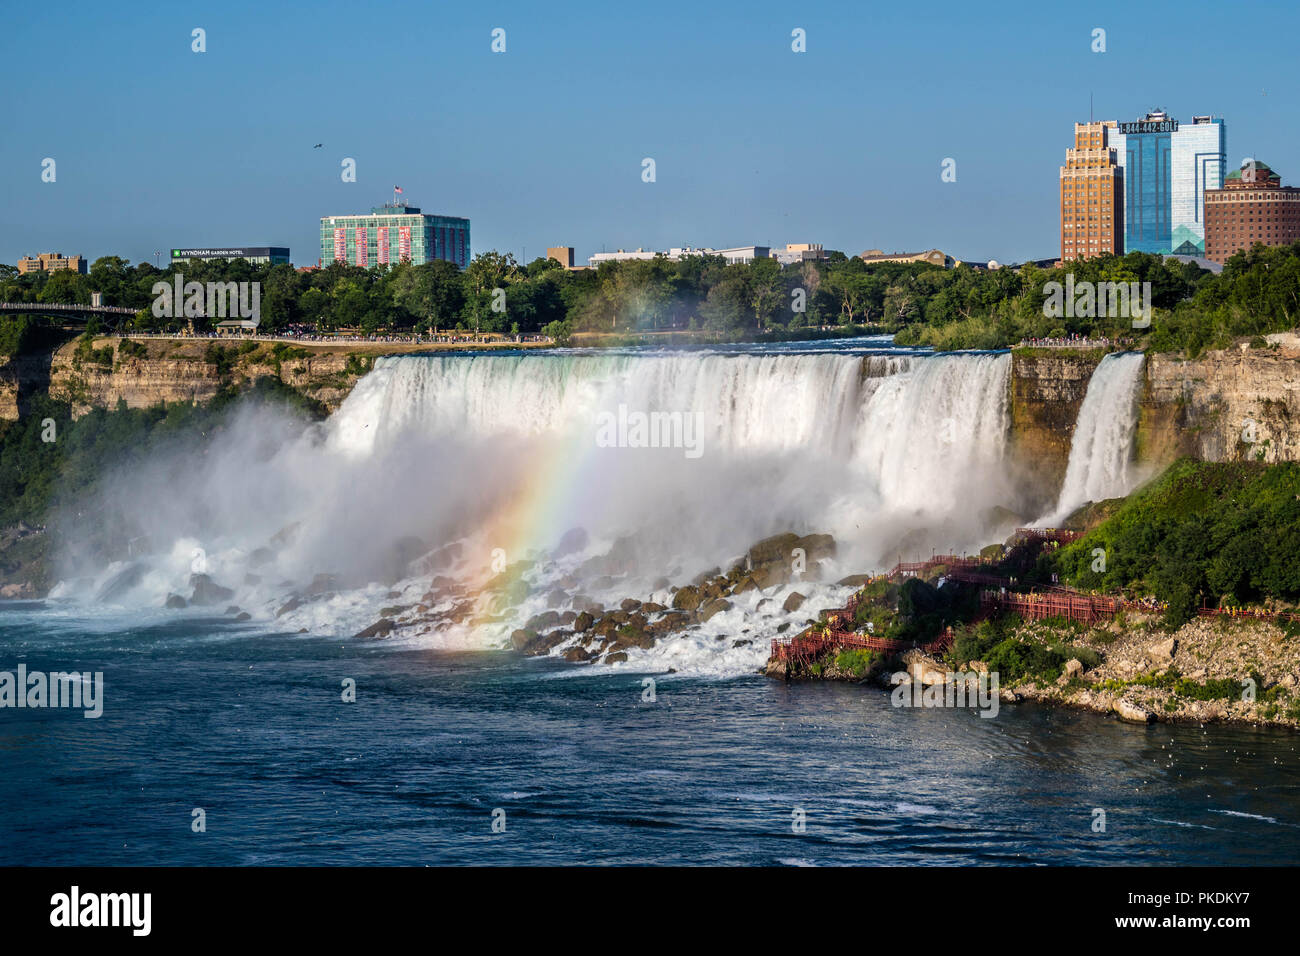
(477, 461)
(1101, 453)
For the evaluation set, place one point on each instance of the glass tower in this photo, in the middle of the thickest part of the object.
(1167, 168)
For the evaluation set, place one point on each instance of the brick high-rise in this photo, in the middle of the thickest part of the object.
(1092, 194)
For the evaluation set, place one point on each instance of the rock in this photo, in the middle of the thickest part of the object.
(571, 542)
(395, 610)
(521, 638)
(207, 591)
(700, 579)
(716, 606)
(577, 655)
(583, 621)
(292, 605)
(652, 608)
(175, 602)
(1073, 668)
(687, 599)
(391, 595)
(322, 583)
(782, 628)
(233, 609)
(243, 616)
(557, 598)
(793, 602)
(618, 657)
(630, 604)
(381, 628)
(301, 630)
(978, 667)
(741, 643)
(1127, 710)
(671, 621)
(17, 591)
(1164, 650)
(540, 622)
(854, 580)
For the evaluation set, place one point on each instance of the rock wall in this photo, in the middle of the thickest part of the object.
(170, 371)
(1047, 388)
(1233, 405)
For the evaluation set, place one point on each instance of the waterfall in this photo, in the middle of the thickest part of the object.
(1101, 452)
(501, 455)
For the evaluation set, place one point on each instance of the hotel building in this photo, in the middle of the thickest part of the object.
(1167, 167)
(1253, 206)
(1092, 194)
(52, 262)
(391, 233)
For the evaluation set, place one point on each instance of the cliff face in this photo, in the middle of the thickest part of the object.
(1234, 405)
(1047, 388)
(157, 370)
(1230, 405)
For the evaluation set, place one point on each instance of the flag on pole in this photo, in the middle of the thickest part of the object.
(397, 189)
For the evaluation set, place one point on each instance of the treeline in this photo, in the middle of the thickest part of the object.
(1257, 293)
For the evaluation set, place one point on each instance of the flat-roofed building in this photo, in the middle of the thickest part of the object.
(392, 233)
(257, 255)
(1253, 206)
(52, 262)
(934, 257)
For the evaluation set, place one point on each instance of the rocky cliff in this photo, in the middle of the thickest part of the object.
(143, 373)
(1231, 405)
(1238, 404)
(1047, 388)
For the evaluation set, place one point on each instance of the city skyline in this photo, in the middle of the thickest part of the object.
(753, 143)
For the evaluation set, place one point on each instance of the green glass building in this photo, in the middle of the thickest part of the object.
(391, 233)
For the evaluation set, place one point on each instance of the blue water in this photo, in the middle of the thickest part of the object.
(250, 726)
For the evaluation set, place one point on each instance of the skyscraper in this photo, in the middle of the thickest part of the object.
(1092, 194)
(1167, 168)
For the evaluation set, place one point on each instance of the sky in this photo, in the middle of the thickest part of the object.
(157, 146)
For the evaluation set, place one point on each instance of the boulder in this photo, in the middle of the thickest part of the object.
(1164, 650)
(175, 602)
(583, 621)
(1128, 710)
(716, 606)
(630, 604)
(687, 599)
(1073, 668)
(291, 605)
(557, 598)
(243, 616)
(207, 591)
(618, 657)
(571, 542)
(576, 655)
(540, 622)
(854, 580)
(381, 628)
(793, 602)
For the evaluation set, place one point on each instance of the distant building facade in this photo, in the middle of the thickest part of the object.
(799, 252)
(1167, 169)
(52, 262)
(1252, 206)
(733, 255)
(392, 233)
(1092, 194)
(561, 254)
(934, 257)
(258, 255)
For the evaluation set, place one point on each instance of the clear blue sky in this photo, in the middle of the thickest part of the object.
(158, 146)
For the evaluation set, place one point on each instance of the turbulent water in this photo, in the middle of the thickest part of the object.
(894, 452)
(1101, 453)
